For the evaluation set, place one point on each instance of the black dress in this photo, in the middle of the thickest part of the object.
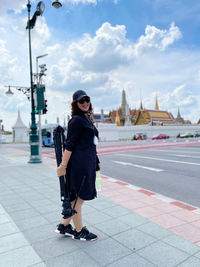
(83, 160)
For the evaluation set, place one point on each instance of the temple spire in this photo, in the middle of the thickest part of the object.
(117, 119)
(141, 106)
(179, 118)
(156, 104)
(123, 105)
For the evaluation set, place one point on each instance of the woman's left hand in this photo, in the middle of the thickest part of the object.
(61, 170)
(99, 165)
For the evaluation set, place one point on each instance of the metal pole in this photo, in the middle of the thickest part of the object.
(40, 136)
(34, 144)
(39, 115)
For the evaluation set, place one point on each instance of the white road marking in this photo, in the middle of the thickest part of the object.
(177, 151)
(138, 166)
(168, 160)
(184, 156)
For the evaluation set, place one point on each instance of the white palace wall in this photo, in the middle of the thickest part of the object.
(111, 132)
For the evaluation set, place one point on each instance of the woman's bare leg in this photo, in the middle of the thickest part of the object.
(77, 218)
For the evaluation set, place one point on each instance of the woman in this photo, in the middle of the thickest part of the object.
(80, 160)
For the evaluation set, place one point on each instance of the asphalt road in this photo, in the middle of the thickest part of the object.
(172, 171)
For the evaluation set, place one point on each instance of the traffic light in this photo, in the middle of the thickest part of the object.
(44, 111)
(40, 98)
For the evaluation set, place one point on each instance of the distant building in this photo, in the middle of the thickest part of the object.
(20, 131)
(100, 117)
(154, 116)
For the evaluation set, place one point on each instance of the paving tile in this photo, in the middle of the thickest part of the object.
(186, 215)
(132, 205)
(108, 193)
(150, 201)
(8, 228)
(96, 217)
(154, 230)
(1, 210)
(113, 227)
(101, 204)
(116, 211)
(17, 207)
(43, 202)
(167, 207)
(47, 208)
(167, 220)
(24, 214)
(149, 212)
(40, 233)
(191, 262)
(180, 243)
(106, 251)
(132, 260)
(133, 219)
(197, 255)
(101, 235)
(87, 209)
(162, 254)
(32, 196)
(12, 241)
(77, 258)
(117, 197)
(28, 224)
(4, 218)
(10, 200)
(196, 223)
(134, 239)
(188, 232)
(53, 217)
(21, 257)
(38, 265)
(53, 247)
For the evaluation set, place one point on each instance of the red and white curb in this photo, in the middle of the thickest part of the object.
(171, 201)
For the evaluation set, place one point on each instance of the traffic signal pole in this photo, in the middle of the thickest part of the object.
(34, 140)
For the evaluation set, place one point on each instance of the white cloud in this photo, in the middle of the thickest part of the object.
(102, 65)
(108, 49)
(15, 5)
(80, 1)
(155, 38)
(18, 5)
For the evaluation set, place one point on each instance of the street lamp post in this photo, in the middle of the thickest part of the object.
(29, 92)
(34, 138)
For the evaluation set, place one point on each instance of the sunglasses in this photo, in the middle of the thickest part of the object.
(84, 99)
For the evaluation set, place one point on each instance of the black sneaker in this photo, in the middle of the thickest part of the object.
(84, 235)
(64, 230)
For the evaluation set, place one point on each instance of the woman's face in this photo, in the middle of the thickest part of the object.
(84, 104)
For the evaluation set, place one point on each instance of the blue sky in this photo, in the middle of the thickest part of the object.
(147, 47)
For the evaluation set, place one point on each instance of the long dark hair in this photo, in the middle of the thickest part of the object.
(76, 110)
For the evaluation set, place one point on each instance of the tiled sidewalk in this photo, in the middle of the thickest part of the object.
(174, 216)
(135, 229)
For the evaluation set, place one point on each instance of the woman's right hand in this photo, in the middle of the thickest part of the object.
(61, 170)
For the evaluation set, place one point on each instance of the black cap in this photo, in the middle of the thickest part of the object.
(79, 94)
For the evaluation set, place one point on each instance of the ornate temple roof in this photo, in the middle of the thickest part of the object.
(147, 116)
